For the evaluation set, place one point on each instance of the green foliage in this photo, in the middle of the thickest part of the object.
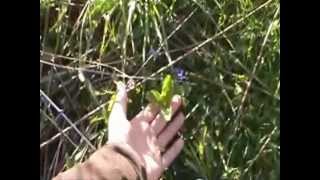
(105, 112)
(229, 50)
(163, 99)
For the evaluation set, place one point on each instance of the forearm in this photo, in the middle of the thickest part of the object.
(108, 163)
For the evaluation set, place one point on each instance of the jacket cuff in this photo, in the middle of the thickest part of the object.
(133, 157)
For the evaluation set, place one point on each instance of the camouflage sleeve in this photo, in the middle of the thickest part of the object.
(111, 162)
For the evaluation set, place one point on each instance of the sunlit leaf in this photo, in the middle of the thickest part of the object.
(167, 113)
(167, 90)
(107, 111)
(201, 149)
(154, 96)
(96, 119)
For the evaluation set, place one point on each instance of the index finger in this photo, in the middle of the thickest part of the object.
(148, 113)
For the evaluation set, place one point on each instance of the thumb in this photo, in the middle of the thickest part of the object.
(121, 98)
(118, 116)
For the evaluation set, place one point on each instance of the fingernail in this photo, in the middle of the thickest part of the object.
(121, 89)
(176, 98)
(120, 85)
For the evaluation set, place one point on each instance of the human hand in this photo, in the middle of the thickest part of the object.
(147, 134)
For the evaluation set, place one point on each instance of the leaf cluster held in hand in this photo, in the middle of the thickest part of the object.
(163, 99)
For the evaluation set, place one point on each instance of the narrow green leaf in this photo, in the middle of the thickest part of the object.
(163, 99)
(154, 97)
(107, 110)
(167, 90)
(96, 119)
(166, 113)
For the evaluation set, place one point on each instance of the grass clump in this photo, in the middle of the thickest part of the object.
(227, 51)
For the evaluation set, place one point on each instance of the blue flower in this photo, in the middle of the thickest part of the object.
(153, 53)
(180, 73)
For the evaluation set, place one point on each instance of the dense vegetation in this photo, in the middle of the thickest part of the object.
(223, 54)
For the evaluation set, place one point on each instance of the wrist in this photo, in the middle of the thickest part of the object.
(132, 156)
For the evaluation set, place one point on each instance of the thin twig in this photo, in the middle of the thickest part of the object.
(214, 22)
(65, 90)
(249, 83)
(76, 25)
(225, 93)
(59, 129)
(260, 151)
(77, 59)
(206, 41)
(54, 162)
(237, 61)
(107, 65)
(93, 71)
(61, 113)
(75, 123)
(166, 39)
(192, 111)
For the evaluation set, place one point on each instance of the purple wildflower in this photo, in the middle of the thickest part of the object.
(180, 73)
(153, 53)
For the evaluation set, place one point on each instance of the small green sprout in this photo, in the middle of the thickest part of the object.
(163, 99)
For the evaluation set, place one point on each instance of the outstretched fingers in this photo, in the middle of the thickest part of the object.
(158, 124)
(118, 116)
(172, 153)
(171, 130)
(147, 114)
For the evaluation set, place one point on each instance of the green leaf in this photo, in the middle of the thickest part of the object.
(201, 150)
(166, 113)
(107, 110)
(167, 90)
(79, 155)
(96, 119)
(154, 97)
(111, 102)
(163, 99)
